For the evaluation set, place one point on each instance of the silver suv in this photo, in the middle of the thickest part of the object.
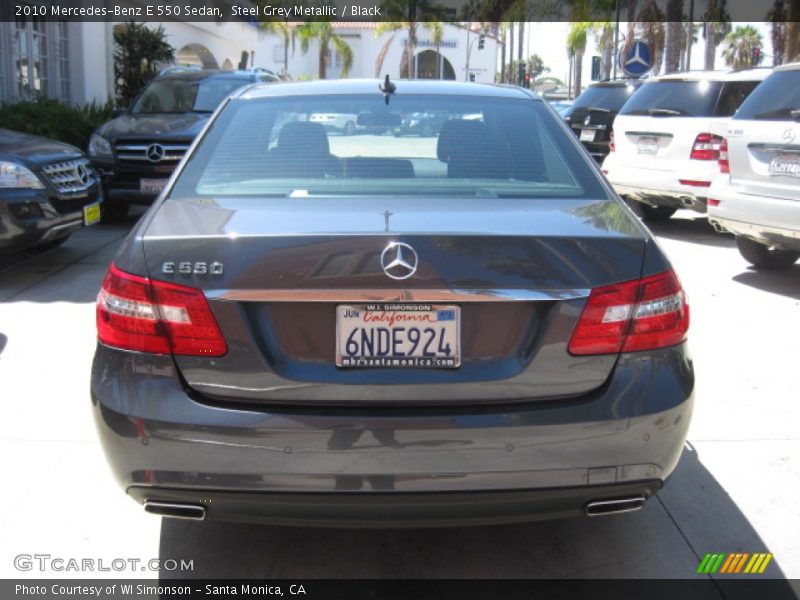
(757, 195)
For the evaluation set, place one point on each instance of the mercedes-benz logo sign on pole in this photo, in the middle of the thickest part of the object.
(399, 260)
(155, 152)
(788, 136)
(637, 60)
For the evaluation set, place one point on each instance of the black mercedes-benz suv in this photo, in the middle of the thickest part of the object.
(48, 189)
(592, 114)
(136, 152)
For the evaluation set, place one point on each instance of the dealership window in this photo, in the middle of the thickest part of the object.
(34, 59)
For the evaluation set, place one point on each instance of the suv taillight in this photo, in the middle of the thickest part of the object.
(724, 165)
(612, 147)
(706, 147)
(136, 313)
(642, 314)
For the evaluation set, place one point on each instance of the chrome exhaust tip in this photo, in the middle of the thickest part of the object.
(597, 508)
(717, 227)
(688, 201)
(175, 510)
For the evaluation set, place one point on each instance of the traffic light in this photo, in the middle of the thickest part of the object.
(528, 80)
(481, 41)
(756, 55)
(521, 74)
(472, 77)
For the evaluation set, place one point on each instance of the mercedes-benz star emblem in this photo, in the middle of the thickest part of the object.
(82, 174)
(399, 260)
(155, 152)
(637, 57)
(788, 136)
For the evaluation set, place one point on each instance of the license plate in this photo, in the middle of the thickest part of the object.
(647, 145)
(91, 214)
(587, 135)
(152, 186)
(398, 336)
(786, 165)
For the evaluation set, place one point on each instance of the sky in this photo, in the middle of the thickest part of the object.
(548, 41)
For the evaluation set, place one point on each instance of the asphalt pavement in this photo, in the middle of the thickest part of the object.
(736, 488)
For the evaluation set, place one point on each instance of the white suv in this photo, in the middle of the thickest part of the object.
(757, 195)
(667, 136)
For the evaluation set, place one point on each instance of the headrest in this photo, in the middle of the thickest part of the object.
(302, 136)
(458, 134)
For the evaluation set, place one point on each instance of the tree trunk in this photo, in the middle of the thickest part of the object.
(503, 58)
(520, 40)
(608, 57)
(323, 59)
(793, 32)
(711, 46)
(578, 72)
(674, 25)
(511, 51)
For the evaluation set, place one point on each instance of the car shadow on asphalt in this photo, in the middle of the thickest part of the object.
(785, 282)
(696, 230)
(667, 539)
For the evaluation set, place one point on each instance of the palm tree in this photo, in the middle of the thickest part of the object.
(603, 33)
(287, 32)
(739, 46)
(674, 37)
(777, 32)
(323, 32)
(650, 26)
(793, 32)
(437, 33)
(716, 25)
(576, 47)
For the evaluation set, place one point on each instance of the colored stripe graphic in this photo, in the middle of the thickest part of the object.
(723, 563)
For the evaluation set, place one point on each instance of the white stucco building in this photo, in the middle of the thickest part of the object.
(74, 61)
(449, 63)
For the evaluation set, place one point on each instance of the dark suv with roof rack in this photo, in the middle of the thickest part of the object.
(591, 115)
(136, 152)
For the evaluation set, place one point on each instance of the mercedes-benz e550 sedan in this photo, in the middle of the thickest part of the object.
(374, 330)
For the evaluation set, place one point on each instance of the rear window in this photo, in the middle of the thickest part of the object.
(674, 98)
(317, 146)
(775, 99)
(181, 96)
(608, 97)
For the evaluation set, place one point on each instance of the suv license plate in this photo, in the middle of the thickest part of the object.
(91, 213)
(587, 135)
(398, 336)
(647, 145)
(152, 186)
(786, 165)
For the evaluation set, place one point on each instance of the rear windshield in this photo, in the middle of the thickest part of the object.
(417, 145)
(674, 98)
(608, 97)
(775, 99)
(183, 96)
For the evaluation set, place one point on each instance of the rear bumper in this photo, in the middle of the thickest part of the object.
(764, 219)
(662, 187)
(545, 457)
(382, 509)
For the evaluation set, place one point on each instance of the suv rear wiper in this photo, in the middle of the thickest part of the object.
(665, 112)
(597, 109)
(794, 113)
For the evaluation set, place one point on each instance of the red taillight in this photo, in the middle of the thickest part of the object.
(136, 313)
(706, 147)
(724, 165)
(713, 202)
(612, 147)
(694, 182)
(634, 315)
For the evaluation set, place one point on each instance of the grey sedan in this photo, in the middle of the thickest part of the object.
(381, 331)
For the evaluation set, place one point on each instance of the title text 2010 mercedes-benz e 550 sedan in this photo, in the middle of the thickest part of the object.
(312, 328)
